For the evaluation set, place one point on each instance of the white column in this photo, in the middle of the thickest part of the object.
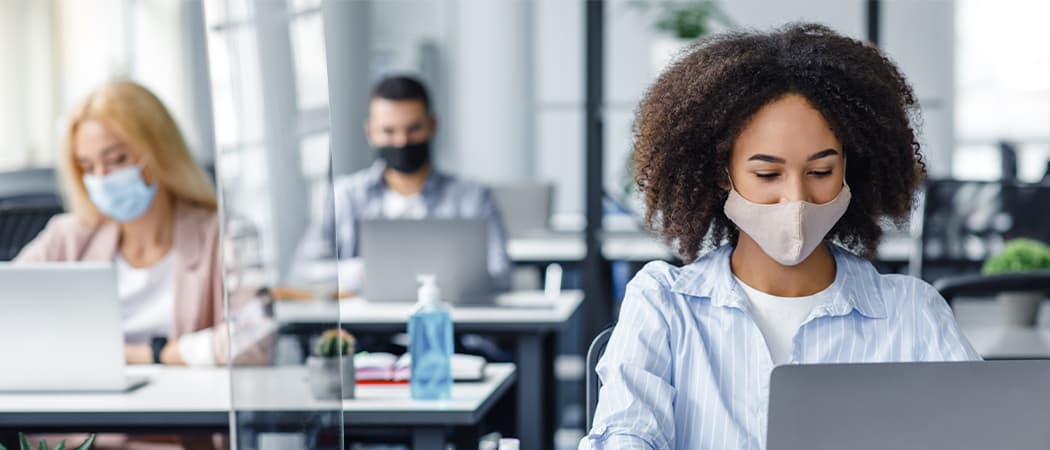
(491, 81)
(347, 44)
(920, 37)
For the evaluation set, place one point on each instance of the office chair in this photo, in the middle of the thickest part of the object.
(23, 182)
(964, 222)
(987, 285)
(594, 353)
(21, 219)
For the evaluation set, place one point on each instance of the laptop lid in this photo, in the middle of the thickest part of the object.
(929, 406)
(526, 208)
(396, 251)
(60, 329)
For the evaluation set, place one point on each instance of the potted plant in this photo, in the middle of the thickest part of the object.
(23, 444)
(1020, 255)
(334, 351)
(679, 22)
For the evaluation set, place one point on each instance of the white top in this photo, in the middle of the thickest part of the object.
(779, 318)
(397, 206)
(147, 298)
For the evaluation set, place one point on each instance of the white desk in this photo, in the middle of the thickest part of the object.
(1004, 342)
(639, 246)
(517, 310)
(570, 247)
(981, 321)
(557, 247)
(199, 398)
(529, 317)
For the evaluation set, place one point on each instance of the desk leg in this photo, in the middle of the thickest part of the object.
(428, 438)
(534, 411)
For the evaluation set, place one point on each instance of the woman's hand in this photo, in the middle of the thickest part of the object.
(138, 354)
(143, 354)
(170, 354)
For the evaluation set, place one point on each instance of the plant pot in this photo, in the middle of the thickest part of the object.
(326, 381)
(1020, 308)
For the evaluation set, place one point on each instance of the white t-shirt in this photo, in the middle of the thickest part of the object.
(397, 206)
(147, 298)
(779, 318)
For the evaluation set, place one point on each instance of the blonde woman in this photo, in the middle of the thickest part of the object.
(137, 199)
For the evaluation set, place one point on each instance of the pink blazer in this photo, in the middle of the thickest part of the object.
(198, 270)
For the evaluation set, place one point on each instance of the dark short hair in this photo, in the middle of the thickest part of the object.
(690, 118)
(401, 87)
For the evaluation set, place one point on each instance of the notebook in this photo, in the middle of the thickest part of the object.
(387, 367)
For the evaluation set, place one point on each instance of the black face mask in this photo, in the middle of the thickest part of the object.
(407, 159)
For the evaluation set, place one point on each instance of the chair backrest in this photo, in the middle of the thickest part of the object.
(964, 222)
(986, 285)
(594, 353)
(24, 182)
(21, 220)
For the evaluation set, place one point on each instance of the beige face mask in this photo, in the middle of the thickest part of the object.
(788, 232)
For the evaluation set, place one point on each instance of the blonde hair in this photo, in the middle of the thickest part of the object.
(140, 119)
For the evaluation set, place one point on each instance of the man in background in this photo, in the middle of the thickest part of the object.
(402, 183)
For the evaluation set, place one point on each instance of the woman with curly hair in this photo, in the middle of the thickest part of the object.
(786, 149)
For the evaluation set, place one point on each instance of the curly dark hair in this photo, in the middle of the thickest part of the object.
(691, 116)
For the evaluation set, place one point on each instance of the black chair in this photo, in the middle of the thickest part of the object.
(23, 182)
(594, 353)
(28, 199)
(988, 285)
(965, 222)
(21, 219)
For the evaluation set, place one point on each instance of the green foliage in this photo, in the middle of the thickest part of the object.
(335, 342)
(23, 443)
(1019, 255)
(684, 19)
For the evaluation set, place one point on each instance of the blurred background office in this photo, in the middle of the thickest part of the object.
(511, 102)
(274, 93)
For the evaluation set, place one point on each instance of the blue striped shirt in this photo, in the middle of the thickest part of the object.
(687, 368)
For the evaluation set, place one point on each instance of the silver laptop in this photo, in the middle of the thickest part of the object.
(395, 252)
(525, 207)
(60, 329)
(930, 406)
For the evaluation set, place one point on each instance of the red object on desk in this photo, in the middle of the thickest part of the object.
(382, 382)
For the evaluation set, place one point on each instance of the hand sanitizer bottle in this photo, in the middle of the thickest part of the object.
(430, 342)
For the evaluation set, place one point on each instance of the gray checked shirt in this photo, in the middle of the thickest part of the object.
(359, 196)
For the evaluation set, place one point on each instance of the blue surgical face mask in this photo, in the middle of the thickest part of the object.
(122, 194)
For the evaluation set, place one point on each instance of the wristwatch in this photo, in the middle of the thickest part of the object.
(157, 345)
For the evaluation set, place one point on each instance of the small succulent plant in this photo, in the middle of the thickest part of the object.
(1019, 255)
(335, 342)
(23, 444)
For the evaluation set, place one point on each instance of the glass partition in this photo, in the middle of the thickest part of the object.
(270, 102)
